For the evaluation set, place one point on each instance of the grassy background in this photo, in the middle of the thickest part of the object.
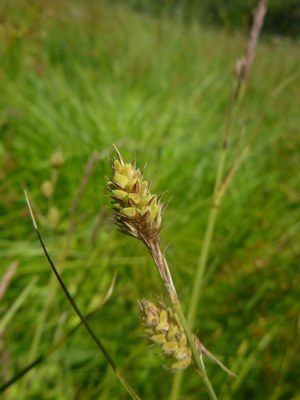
(77, 76)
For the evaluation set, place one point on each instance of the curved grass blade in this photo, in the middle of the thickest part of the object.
(98, 342)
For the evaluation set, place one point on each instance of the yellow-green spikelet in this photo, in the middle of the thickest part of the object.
(162, 328)
(138, 212)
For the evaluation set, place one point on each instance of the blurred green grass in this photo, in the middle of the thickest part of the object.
(76, 77)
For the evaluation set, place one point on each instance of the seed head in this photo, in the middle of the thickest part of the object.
(47, 188)
(162, 328)
(57, 160)
(137, 211)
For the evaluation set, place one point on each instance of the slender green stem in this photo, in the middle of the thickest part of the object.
(221, 186)
(207, 240)
(198, 281)
(219, 192)
(195, 352)
(163, 268)
(176, 385)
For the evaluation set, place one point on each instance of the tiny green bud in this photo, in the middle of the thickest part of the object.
(150, 308)
(119, 194)
(129, 212)
(47, 189)
(117, 167)
(163, 315)
(158, 221)
(181, 365)
(130, 184)
(145, 210)
(159, 338)
(154, 211)
(173, 333)
(134, 197)
(162, 326)
(120, 180)
(182, 341)
(170, 346)
(128, 170)
(145, 200)
(144, 186)
(180, 353)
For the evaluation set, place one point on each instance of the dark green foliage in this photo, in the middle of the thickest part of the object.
(283, 17)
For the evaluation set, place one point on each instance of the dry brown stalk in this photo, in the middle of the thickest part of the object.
(243, 65)
(163, 269)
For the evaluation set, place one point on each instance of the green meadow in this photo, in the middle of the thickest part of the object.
(78, 76)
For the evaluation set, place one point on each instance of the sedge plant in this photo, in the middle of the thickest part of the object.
(138, 213)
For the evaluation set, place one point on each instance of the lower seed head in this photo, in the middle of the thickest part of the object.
(162, 328)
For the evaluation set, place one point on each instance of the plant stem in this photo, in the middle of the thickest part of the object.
(203, 256)
(195, 351)
(217, 198)
(163, 268)
(242, 72)
(176, 385)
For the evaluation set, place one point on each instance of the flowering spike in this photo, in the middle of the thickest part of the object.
(162, 328)
(137, 211)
